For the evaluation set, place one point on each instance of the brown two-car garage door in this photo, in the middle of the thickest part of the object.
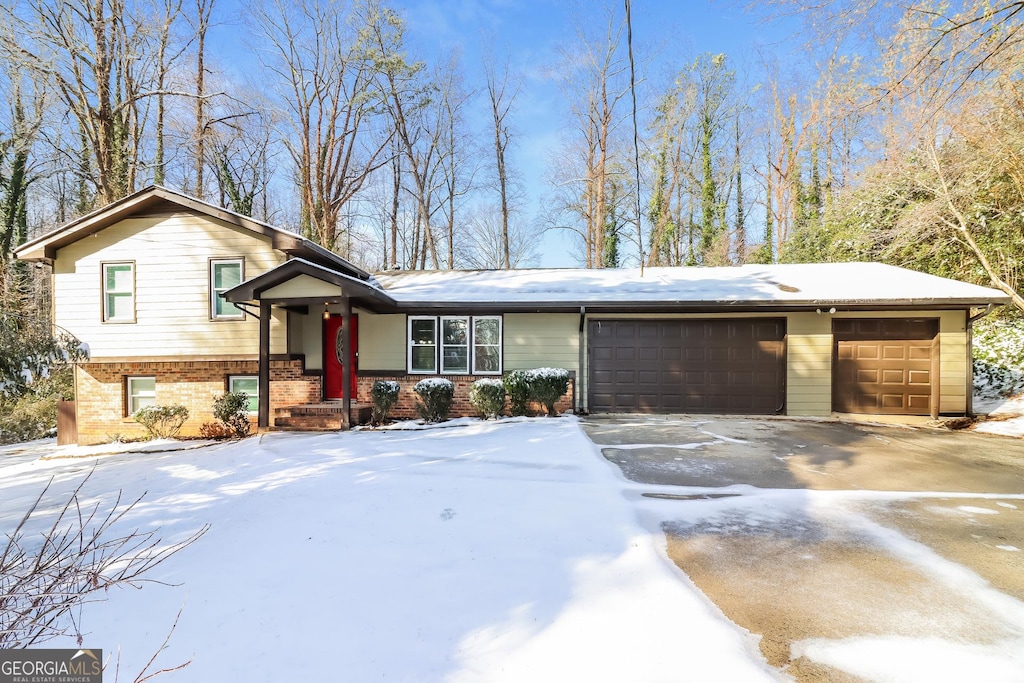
(885, 366)
(733, 366)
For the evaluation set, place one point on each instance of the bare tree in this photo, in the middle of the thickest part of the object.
(595, 81)
(325, 69)
(203, 9)
(502, 90)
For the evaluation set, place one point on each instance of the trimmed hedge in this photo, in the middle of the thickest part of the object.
(488, 397)
(542, 385)
(547, 385)
(517, 384)
(384, 395)
(436, 397)
(161, 422)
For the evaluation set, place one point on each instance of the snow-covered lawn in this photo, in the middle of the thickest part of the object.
(485, 552)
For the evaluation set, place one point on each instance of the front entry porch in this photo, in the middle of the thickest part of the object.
(326, 416)
(301, 288)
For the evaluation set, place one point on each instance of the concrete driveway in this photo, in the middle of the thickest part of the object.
(855, 552)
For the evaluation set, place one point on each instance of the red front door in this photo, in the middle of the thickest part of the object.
(333, 356)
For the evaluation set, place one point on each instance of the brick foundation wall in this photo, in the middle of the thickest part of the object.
(407, 399)
(101, 400)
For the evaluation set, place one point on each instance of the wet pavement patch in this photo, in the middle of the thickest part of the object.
(689, 496)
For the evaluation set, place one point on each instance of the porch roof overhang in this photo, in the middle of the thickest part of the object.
(310, 283)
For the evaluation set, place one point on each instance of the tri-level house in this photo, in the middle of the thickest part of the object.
(179, 301)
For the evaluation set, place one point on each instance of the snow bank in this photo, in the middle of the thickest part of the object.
(490, 552)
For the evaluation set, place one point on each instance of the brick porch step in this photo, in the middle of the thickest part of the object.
(319, 417)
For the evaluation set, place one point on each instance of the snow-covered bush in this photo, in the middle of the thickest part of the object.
(547, 385)
(542, 385)
(517, 384)
(488, 397)
(384, 395)
(998, 358)
(161, 422)
(436, 397)
(232, 409)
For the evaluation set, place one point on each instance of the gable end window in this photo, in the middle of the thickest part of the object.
(225, 274)
(455, 345)
(119, 292)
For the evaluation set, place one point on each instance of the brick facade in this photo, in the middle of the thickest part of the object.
(101, 400)
(101, 392)
(407, 399)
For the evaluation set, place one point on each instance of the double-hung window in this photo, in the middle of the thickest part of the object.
(455, 345)
(248, 385)
(141, 392)
(119, 292)
(225, 274)
(422, 345)
(487, 345)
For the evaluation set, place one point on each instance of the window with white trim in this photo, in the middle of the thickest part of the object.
(248, 385)
(487, 345)
(455, 345)
(119, 292)
(225, 274)
(141, 392)
(422, 344)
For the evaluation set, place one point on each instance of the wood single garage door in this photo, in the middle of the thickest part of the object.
(885, 366)
(733, 366)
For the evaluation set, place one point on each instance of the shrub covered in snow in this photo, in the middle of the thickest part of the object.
(384, 395)
(488, 397)
(547, 385)
(232, 409)
(999, 357)
(436, 397)
(517, 384)
(542, 385)
(161, 422)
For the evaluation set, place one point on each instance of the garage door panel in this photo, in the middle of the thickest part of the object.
(648, 377)
(867, 352)
(919, 377)
(884, 365)
(919, 402)
(893, 377)
(648, 354)
(921, 353)
(867, 375)
(720, 366)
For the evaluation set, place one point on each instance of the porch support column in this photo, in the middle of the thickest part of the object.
(346, 366)
(263, 420)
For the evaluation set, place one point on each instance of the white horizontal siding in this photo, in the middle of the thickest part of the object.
(172, 310)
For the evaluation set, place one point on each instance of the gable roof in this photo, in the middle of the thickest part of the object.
(156, 200)
(810, 286)
(368, 292)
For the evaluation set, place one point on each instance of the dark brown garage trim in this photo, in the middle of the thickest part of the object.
(725, 366)
(885, 366)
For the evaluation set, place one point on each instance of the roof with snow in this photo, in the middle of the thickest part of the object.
(850, 285)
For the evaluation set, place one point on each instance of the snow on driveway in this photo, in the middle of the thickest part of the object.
(491, 552)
